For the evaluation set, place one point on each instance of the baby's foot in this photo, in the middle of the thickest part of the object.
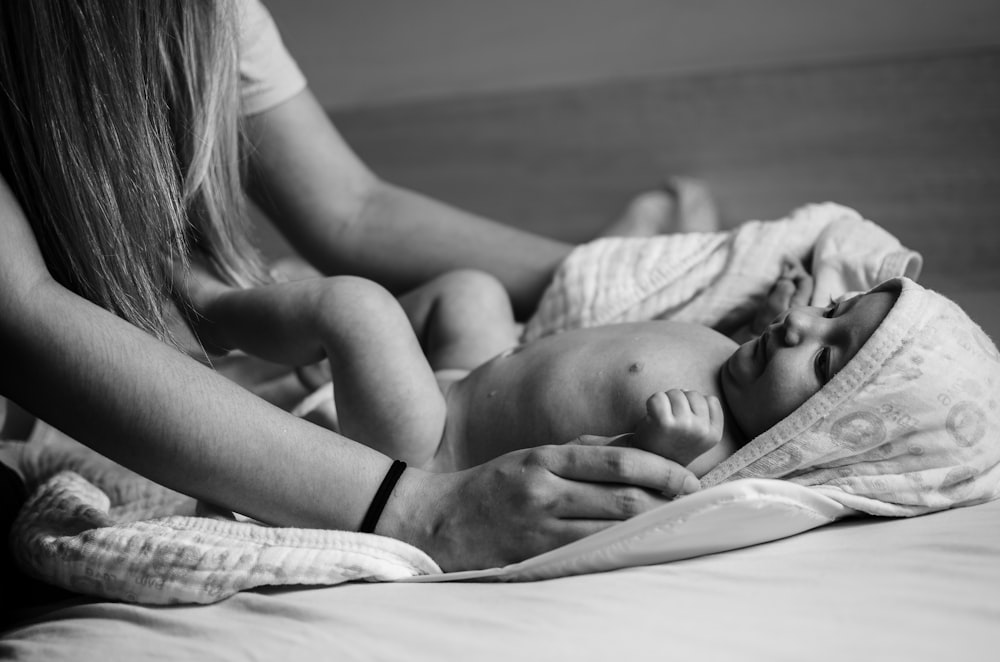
(683, 204)
(680, 425)
(696, 207)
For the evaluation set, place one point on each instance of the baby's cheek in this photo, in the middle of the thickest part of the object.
(789, 398)
(783, 391)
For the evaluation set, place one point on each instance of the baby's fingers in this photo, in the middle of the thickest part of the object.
(776, 303)
(801, 280)
(803, 291)
(697, 404)
(659, 407)
(681, 410)
(688, 409)
(781, 297)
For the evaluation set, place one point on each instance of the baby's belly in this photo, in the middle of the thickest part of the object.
(591, 381)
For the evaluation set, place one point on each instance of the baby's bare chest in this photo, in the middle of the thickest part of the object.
(613, 388)
(597, 381)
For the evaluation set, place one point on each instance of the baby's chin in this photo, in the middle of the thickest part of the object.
(743, 379)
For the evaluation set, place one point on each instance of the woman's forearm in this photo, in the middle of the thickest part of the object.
(439, 238)
(148, 407)
(345, 220)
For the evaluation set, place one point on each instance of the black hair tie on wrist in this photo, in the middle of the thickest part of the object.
(382, 496)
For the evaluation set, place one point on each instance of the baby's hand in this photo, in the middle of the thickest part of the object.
(680, 425)
(794, 287)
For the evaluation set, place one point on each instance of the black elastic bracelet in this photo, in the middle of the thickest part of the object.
(382, 496)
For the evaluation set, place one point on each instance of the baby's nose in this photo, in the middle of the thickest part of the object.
(798, 323)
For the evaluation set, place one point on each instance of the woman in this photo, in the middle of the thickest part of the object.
(121, 163)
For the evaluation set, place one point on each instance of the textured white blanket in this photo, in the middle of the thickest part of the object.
(69, 536)
(114, 534)
(718, 278)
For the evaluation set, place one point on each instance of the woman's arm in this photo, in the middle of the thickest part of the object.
(149, 407)
(345, 220)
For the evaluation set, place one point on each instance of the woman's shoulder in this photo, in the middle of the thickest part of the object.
(20, 257)
(269, 74)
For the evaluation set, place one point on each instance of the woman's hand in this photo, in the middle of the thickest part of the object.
(528, 502)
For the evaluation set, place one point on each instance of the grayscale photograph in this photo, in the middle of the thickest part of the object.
(589, 330)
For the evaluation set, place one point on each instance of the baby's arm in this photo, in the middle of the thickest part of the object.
(680, 425)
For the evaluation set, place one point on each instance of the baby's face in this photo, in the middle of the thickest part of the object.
(768, 378)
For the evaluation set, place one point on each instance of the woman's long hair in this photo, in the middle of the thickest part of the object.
(120, 138)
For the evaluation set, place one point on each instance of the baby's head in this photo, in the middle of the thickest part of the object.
(769, 377)
(888, 402)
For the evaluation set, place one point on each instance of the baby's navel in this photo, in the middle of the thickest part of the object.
(635, 368)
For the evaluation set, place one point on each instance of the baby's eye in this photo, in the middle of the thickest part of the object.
(823, 365)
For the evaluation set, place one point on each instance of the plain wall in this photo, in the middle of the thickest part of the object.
(364, 52)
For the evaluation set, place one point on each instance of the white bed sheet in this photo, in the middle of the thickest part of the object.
(926, 588)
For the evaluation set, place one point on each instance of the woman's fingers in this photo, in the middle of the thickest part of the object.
(602, 483)
(617, 503)
(616, 465)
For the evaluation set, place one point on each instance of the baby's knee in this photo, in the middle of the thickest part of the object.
(346, 295)
(472, 288)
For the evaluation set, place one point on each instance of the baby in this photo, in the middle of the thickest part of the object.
(909, 425)
(448, 397)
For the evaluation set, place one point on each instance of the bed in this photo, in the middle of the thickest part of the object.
(912, 143)
(915, 589)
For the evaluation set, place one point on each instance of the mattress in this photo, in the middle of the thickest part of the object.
(888, 589)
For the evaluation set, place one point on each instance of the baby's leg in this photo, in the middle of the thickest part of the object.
(462, 318)
(680, 425)
(385, 391)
